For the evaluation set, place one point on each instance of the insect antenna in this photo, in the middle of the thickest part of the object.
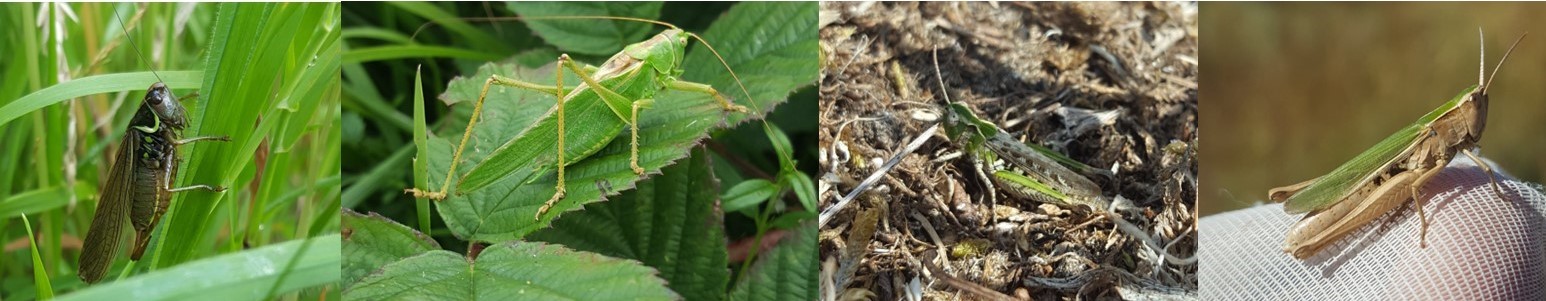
(136, 47)
(939, 77)
(521, 18)
(722, 62)
(1500, 62)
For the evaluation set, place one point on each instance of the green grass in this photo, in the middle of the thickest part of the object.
(267, 77)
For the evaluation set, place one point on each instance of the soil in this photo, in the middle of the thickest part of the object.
(1112, 85)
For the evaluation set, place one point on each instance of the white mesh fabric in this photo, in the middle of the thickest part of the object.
(1480, 247)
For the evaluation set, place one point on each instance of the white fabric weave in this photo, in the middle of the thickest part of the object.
(1480, 247)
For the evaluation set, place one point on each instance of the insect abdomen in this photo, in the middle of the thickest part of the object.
(148, 171)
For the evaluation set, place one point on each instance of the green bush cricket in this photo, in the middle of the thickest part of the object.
(140, 182)
(609, 98)
(1388, 174)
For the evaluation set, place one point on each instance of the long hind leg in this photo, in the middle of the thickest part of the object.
(612, 99)
(477, 110)
(1417, 201)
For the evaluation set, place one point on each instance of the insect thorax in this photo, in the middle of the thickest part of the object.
(1478, 114)
(1461, 127)
(159, 104)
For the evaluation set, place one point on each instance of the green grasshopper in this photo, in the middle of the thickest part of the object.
(140, 182)
(1048, 176)
(610, 98)
(1386, 175)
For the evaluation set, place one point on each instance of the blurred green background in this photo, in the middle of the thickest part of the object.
(1292, 90)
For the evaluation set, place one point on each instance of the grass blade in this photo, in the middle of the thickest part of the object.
(397, 52)
(420, 138)
(96, 84)
(39, 272)
(245, 275)
(40, 200)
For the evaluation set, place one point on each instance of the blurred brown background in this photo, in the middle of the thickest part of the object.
(1289, 91)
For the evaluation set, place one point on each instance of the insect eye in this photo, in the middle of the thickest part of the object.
(154, 98)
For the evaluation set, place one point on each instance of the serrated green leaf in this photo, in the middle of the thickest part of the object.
(668, 222)
(748, 194)
(373, 241)
(788, 272)
(589, 36)
(513, 271)
(245, 275)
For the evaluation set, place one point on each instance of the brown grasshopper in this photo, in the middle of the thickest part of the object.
(1388, 174)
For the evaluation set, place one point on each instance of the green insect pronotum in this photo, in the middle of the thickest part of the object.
(608, 99)
(1386, 175)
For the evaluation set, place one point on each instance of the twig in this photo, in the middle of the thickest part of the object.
(1140, 235)
(962, 285)
(826, 215)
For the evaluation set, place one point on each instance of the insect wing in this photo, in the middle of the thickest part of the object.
(1281, 194)
(1066, 161)
(1341, 182)
(1320, 229)
(1028, 188)
(1041, 167)
(101, 245)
